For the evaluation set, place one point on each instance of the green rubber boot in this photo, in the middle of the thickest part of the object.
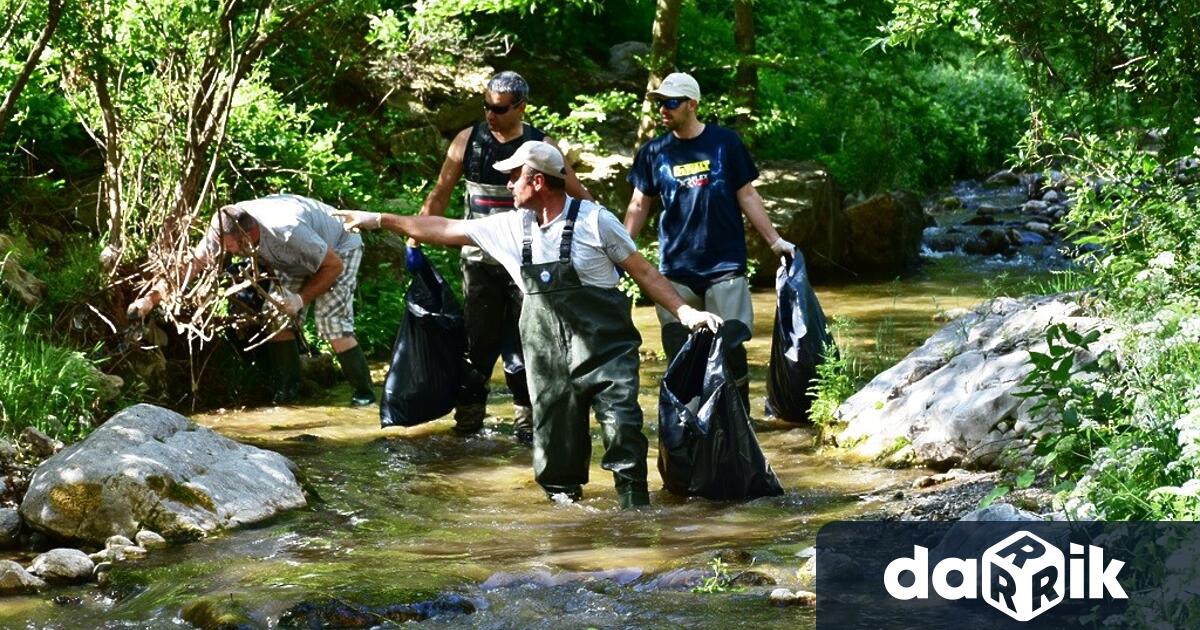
(468, 419)
(523, 424)
(358, 374)
(284, 361)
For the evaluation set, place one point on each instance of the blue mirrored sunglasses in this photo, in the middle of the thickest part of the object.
(670, 103)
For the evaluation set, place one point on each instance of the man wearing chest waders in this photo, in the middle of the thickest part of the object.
(492, 303)
(581, 348)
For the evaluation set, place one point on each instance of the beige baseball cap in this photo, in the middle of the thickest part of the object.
(677, 85)
(537, 155)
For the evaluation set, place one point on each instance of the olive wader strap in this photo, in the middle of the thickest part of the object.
(568, 235)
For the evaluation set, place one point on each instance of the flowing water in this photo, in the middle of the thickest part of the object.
(408, 515)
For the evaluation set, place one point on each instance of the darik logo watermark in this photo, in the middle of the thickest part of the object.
(1022, 575)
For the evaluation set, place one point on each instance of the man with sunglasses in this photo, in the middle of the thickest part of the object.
(703, 176)
(311, 260)
(576, 323)
(492, 302)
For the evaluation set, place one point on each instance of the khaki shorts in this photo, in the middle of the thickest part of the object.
(728, 299)
(333, 309)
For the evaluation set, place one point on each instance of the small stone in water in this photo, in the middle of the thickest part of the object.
(784, 597)
(118, 541)
(150, 540)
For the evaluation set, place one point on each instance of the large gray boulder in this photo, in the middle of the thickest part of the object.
(885, 232)
(603, 174)
(15, 279)
(149, 467)
(951, 402)
(624, 60)
(804, 203)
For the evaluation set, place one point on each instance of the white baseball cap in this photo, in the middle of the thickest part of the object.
(678, 85)
(537, 155)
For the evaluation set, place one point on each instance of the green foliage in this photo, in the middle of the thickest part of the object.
(719, 581)
(277, 146)
(997, 493)
(69, 271)
(43, 385)
(586, 119)
(1066, 398)
(878, 119)
(1093, 65)
(838, 377)
(381, 306)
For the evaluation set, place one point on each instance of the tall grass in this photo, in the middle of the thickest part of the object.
(43, 385)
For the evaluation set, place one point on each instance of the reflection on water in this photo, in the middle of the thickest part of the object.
(407, 514)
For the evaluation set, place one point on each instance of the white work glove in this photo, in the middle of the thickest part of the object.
(695, 320)
(289, 302)
(783, 248)
(358, 219)
(139, 308)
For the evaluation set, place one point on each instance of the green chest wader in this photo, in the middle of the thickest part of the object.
(581, 352)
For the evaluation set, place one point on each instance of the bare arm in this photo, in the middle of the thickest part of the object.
(638, 212)
(752, 206)
(436, 230)
(657, 287)
(452, 169)
(324, 277)
(574, 186)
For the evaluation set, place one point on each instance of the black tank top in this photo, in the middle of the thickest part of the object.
(484, 150)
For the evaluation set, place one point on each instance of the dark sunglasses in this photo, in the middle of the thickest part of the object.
(670, 103)
(500, 110)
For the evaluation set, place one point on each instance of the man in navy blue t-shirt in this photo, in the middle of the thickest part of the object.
(704, 177)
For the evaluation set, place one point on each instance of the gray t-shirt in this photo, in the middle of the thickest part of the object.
(600, 242)
(295, 232)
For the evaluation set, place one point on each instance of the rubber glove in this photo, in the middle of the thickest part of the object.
(358, 219)
(695, 320)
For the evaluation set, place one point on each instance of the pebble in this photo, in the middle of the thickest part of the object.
(784, 597)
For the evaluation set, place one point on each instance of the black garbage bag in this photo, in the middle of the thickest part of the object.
(707, 447)
(797, 345)
(427, 360)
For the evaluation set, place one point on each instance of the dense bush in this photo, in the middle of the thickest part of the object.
(1129, 446)
(878, 117)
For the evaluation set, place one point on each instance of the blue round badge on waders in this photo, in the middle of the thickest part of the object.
(545, 277)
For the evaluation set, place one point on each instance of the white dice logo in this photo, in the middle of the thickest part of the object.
(1023, 576)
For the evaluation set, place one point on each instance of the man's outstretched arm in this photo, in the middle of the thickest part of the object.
(435, 230)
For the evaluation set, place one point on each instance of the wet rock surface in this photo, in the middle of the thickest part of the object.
(67, 566)
(338, 614)
(952, 401)
(1010, 218)
(15, 579)
(151, 467)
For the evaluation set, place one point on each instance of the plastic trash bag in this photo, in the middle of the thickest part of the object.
(797, 344)
(707, 447)
(427, 359)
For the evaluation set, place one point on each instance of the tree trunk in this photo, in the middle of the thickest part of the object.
(113, 180)
(664, 41)
(53, 15)
(745, 82)
(212, 102)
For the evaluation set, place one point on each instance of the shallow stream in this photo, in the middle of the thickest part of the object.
(408, 515)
